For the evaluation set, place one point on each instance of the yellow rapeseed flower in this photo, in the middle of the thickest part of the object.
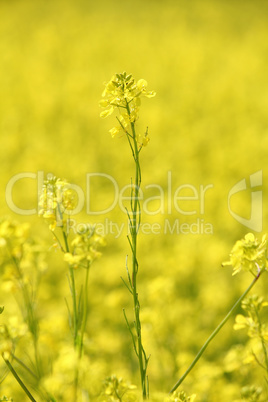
(248, 254)
(252, 306)
(123, 93)
(85, 249)
(57, 198)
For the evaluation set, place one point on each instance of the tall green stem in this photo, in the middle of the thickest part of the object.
(16, 376)
(80, 345)
(79, 326)
(214, 333)
(134, 227)
(85, 313)
(73, 292)
(29, 315)
(262, 340)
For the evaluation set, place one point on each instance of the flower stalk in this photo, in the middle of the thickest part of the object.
(134, 222)
(214, 333)
(19, 380)
(250, 255)
(124, 93)
(57, 201)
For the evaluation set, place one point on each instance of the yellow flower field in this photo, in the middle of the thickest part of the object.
(202, 143)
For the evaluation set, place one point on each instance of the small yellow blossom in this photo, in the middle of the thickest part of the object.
(114, 131)
(242, 322)
(248, 254)
(13, 236)
(252, 306)
(57, 198)
(73, 260)
(85, 249)
(6, 343)
(145, 141)
(117, 389)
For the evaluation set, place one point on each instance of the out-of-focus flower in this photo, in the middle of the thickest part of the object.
(251, 393)
(242, 322)
(117, 389)
(57, 198)
(6, 344)
(248, 254)
(13, 236)
(18, 249)
(85, 248)
(61, 381)
(254, 304)
(9, 334)
(252, 321)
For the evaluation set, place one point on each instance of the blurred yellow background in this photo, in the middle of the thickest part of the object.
(207, 61)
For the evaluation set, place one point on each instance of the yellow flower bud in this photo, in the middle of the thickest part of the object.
(114, 131)
(124, 93)
(142, 85)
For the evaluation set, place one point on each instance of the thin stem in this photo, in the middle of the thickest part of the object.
(262, 340)
(24, 366)
(77, 343)
(58, 241)
(73, 291)
(85, 312)
(214, 333)
(135, 209)
(29, 315)
(65, 237)
(21, 383)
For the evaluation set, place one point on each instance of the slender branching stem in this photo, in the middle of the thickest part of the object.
(25, 367)
(134, 221)
(75, 313)
(19, 380)
(73, 292)
(262, 340)
(29, 314)
(215, 332)
(85, 312)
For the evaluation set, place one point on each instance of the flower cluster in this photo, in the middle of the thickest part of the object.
(248, 254)
(57, 198)
(60, 381)
(23, 260)
(9, 335)
(123, 93)
(252, 306)
(13, 236)
(117, 389)
(6, 344)
(22, 257)
(251, 393)
(85, 248)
